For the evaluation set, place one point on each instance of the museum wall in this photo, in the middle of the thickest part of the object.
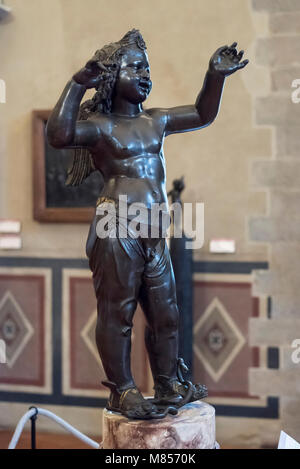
(229, 166)
(46, 42)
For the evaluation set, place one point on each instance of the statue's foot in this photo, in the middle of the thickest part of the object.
(177, 391)
(198, 391)
(173, 392)
(133, 405)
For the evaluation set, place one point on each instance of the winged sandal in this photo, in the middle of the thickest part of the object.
(131, 403)
(177, 391)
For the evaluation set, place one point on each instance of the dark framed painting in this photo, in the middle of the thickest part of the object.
(53, 201)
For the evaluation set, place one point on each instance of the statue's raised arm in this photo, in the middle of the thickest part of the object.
(63, 128)
(224, 62)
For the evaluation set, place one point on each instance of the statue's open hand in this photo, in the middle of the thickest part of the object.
(226, 60)
(90, 75)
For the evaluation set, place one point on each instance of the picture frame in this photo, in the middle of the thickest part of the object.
(53, 201)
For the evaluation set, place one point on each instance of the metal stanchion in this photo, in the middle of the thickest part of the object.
(33, 419)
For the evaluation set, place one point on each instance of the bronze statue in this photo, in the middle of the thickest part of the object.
(175, 192)
(114, 134)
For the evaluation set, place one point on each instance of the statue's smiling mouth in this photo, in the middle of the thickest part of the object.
(145, 85)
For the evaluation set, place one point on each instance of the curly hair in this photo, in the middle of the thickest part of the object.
(108, 59)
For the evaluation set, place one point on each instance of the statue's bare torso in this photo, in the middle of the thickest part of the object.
(129, 154)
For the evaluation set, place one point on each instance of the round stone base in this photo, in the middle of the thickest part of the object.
(192, 428)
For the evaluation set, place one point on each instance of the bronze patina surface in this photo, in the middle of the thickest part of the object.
(114, 134)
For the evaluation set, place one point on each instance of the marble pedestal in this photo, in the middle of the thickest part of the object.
(192, 428)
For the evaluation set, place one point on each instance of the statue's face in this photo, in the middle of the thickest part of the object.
(133, 83)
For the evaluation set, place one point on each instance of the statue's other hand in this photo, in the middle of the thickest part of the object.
(90, 75)
(226, 60)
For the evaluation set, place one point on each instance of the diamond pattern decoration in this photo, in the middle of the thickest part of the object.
(15, 329)
(217, 339)
(88, 336)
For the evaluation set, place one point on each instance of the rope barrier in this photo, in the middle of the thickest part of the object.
(34, 412)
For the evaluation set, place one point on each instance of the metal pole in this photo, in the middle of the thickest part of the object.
(33, 427)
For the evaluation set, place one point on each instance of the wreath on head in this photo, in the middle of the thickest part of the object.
(108, 59)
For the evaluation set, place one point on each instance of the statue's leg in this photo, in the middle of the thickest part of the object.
(158, 300)
(117, 277)
(117, 267)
